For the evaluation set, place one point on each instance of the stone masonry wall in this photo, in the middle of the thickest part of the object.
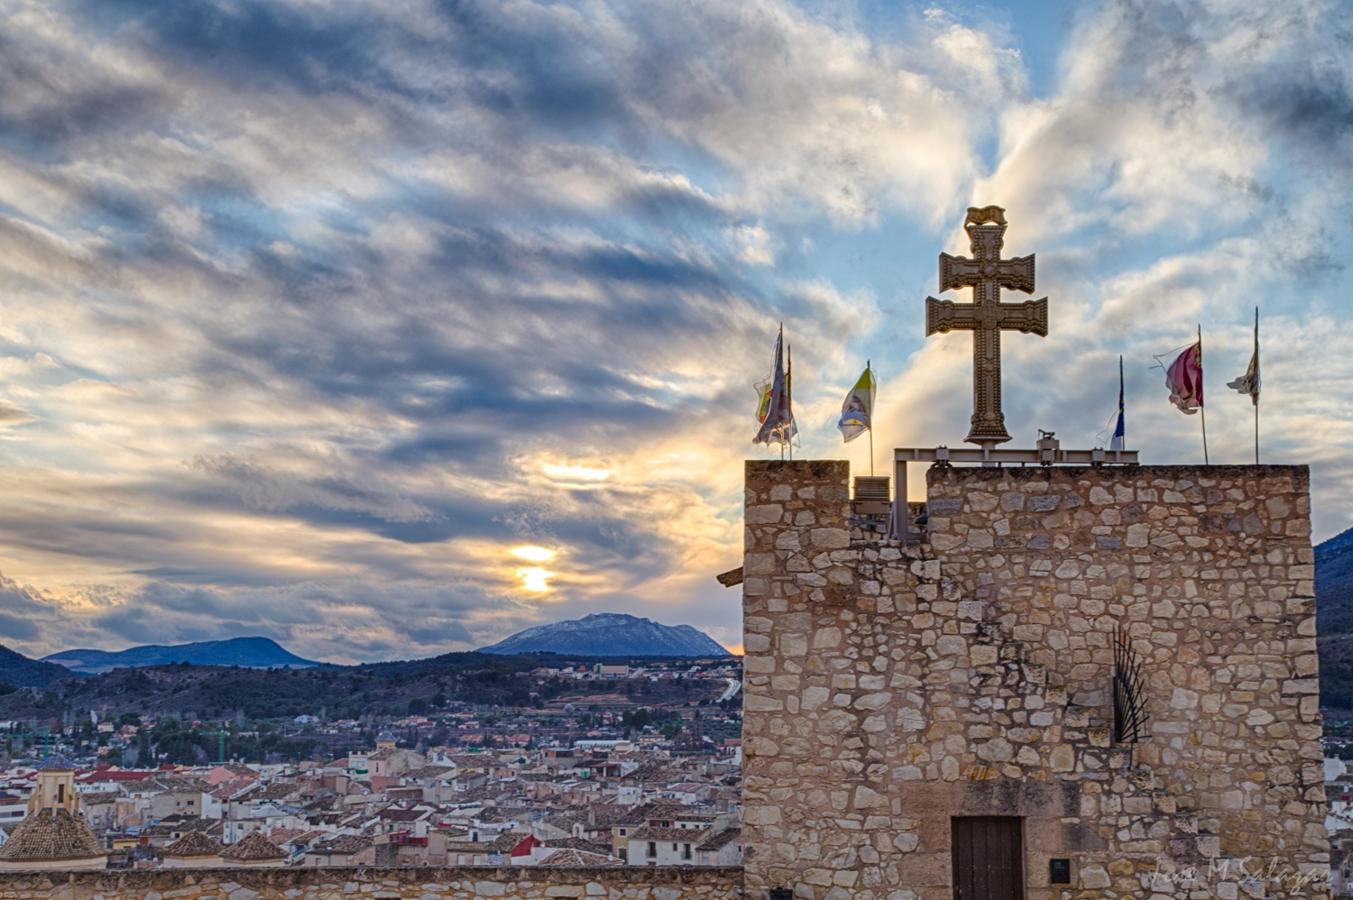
(462, 883)
(890, 688)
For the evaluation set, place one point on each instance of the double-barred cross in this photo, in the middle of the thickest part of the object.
(986, 273)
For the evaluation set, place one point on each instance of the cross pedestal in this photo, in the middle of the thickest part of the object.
(1049, 453)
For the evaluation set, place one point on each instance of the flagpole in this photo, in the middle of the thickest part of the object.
(1122, 413)
(869, 367)
(789, 397)
(779, 344)
(1256, 387)
(1202, 408)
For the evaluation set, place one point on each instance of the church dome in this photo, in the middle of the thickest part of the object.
(253, 849)
(56, 763)
(51, 836)
(194, 843)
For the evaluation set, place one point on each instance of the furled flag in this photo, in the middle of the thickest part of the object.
(857, 410)
(775, 412)
(1119, 430)
(1249, 382)
(1184, 378)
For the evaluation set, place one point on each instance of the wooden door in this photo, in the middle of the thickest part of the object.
(988, 853)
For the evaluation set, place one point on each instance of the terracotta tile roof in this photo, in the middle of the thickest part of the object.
(253, 847)
(505, 841)
(279, 791)
(721, 840)
(687, 835)
(695, 817)
(182, 825)
(280, 836)
(468, 847)
(568, 859)
(346, 844)
(231, 789)
(194, 843)
(566, 821)
(115, 776)
(572, 843)
(51, 835)
(428, 772)
(185, 783)
(396, 814)
(604, 815)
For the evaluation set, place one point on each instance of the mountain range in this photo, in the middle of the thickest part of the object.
(598, 635)
(610, 634)
(247, 652)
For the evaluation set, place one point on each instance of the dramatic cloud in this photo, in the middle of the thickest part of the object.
(385, 329)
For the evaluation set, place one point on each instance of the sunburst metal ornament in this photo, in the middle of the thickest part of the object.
(1129, 690)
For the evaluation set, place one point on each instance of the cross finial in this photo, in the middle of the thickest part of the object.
(986, 273)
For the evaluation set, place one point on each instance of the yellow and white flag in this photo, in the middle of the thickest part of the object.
(857, 411)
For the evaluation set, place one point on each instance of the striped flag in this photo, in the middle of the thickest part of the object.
(775, 411)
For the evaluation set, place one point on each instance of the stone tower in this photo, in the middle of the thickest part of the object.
(935, 719)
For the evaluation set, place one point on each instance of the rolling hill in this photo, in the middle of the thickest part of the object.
(17, 670)
(1334, 620)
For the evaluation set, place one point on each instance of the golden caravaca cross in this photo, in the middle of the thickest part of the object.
(986, 273)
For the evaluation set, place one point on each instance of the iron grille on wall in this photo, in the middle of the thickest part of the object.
(1129, 694)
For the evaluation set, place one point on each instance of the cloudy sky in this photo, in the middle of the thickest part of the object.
(388, 328)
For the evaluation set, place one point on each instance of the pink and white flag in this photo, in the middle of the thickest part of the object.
(1184, 378)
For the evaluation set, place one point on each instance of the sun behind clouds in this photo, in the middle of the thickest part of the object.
(535, 579)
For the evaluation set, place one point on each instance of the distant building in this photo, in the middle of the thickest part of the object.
(345, 850)
(12, 809)
(388, 761)
(721, 849)
(650, 846)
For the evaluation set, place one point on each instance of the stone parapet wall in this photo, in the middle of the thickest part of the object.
(891, 688)
(460, 883)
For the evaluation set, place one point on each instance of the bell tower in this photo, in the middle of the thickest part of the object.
(55, 788)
